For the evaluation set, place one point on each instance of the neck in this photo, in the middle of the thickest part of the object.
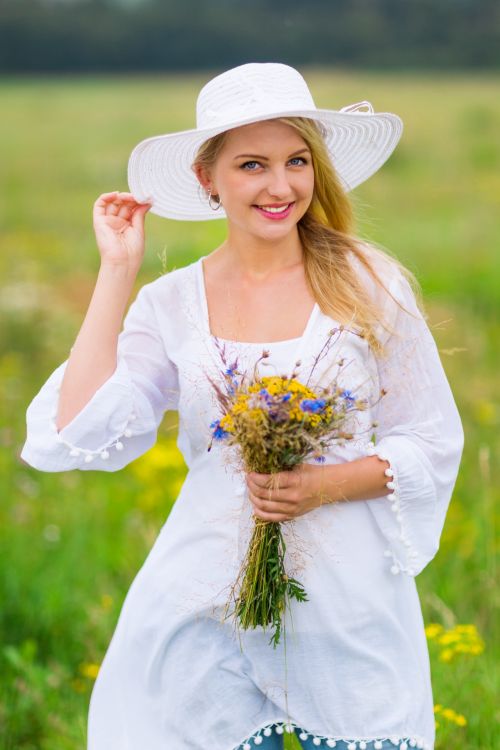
(258, 257)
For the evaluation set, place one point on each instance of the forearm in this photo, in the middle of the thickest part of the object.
(93, 357)
(361, 479)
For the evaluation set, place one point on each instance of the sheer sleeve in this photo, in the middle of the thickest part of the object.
(419, 432)
(121, 420)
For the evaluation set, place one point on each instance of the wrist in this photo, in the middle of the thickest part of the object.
(122, 269)
(321, 488)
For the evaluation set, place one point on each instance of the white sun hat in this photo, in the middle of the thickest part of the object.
(358, 139)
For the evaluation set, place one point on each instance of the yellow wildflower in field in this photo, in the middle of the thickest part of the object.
(446, 654)
(461, 639)
(451, 715)
(89, 670)
(160, 458)
(434, 629)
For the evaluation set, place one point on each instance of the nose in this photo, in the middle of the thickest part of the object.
(278, 184)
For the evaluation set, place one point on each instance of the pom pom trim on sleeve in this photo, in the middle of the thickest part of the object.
(103, 451)
(394, 498)
(402, 743)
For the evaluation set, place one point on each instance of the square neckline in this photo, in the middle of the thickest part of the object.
(267, 344)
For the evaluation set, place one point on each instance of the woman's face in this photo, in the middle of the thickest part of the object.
(265, 179)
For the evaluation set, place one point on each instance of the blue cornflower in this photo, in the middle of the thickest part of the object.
(348, 395)
(320, 459)
(286, 397)
(219, 433)
(313, 404)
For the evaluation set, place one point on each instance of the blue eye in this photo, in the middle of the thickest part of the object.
(249, 162)
(299, 158)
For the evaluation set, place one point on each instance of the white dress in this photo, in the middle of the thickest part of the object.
(176, 675)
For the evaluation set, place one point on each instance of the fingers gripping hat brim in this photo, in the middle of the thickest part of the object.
(159, 167)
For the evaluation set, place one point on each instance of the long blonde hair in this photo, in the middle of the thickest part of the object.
(329, 242)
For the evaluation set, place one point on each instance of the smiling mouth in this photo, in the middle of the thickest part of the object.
(275, 209)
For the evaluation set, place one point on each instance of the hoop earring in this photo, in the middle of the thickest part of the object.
(214, 208)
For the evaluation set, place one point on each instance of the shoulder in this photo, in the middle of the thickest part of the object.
(397, 295)
(170, 289)
(387, 270)
(176, 279)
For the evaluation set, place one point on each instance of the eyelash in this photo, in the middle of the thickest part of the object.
(304, 161)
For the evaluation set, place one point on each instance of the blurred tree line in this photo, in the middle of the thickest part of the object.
(147, 35)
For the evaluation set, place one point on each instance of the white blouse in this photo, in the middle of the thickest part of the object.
(179, 675)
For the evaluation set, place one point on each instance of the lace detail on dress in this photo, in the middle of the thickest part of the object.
(402, 743)
(395, 499)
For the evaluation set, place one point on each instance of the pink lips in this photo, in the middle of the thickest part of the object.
(276, 216)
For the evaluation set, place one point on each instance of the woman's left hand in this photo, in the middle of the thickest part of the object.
(287, 494)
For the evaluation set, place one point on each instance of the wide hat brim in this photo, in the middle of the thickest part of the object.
(159, 168)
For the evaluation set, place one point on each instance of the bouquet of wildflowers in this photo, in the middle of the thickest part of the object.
(275, 423)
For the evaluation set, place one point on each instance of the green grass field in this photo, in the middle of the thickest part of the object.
(72, 542)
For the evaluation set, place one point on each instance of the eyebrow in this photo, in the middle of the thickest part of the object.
(265, 158)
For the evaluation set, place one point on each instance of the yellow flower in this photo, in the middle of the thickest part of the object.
(239, 408)
(448, 713)
(451, 715)
(162, 456)
(227, 423)
(433, 629)
(257, 414)
(477, 648)
(471, 629)
(437, 708)
(446, 655)
(89, 670)
(449, 637)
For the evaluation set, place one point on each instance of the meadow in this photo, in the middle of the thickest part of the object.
(72, 542)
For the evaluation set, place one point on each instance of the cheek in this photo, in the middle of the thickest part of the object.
(236, 188)
(307, 184)
(241, 191)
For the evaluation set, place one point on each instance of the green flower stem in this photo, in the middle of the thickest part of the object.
(266, 589)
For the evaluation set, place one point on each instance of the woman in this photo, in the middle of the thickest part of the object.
(359, 528)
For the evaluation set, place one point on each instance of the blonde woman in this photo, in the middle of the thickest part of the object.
(360, 527)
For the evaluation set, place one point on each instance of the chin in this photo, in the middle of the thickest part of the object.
(274, 232)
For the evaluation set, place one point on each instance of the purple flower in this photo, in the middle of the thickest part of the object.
(266, 396)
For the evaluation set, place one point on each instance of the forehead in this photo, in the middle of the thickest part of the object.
(271, 133)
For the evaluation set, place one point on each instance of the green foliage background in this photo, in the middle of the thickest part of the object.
(72, 542)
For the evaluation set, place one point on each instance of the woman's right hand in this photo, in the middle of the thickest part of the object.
(119, 228)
